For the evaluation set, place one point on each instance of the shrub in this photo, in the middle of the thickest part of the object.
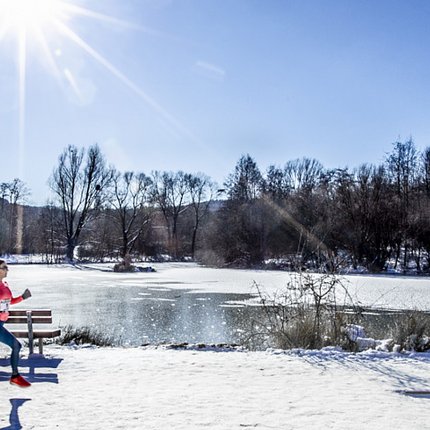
(304, 315)
(409, 331)
(125, 265)
(84, 335)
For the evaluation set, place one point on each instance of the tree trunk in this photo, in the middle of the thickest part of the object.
(70, 252)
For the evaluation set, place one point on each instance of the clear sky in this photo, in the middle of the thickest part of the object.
(194, 84)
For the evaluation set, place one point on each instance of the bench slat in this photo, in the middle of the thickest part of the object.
(34, 312)
(35, 320)
(37, 334)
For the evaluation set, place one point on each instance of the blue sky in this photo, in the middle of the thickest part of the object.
(194, 84)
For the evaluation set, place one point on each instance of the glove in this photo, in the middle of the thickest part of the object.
(26, 294)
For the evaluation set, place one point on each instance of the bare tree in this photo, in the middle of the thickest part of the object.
(13, 195)
(201, 190)
(402, 165)
(129, 197)
(425, 161)
(276, 185)
(46, 229)
(303, 174)
(363, 199)
(169, 192)
(17, 191)
(80, 182)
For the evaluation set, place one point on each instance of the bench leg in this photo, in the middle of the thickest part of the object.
(40, 346)
(30, 331)
(30, 346)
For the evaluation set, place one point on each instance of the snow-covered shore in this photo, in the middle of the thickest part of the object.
(158, 388)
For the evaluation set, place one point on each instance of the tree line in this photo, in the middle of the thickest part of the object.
(300, 214)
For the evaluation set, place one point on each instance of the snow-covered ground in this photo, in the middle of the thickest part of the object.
(155, 388)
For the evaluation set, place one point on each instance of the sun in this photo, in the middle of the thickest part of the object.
(28, 15)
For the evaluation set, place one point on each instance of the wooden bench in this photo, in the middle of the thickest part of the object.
(31, 317)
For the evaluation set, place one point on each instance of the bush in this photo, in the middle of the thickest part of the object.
(124, 266)
(410, 330)
(84, 335)
(304, 315)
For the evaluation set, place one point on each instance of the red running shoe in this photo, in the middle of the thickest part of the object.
(19, 381)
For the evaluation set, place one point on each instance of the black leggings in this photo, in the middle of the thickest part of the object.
(10, 340)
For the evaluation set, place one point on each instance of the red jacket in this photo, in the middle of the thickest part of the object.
(6, 299)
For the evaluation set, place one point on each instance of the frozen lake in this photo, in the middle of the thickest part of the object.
(181, 302)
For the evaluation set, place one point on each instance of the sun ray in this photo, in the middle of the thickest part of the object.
(52, 65)
(300, 228)
(78, 10)
(135, 88)
(73, 84)
(22, 60)
(3, 31)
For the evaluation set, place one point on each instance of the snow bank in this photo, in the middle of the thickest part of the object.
(160, 388)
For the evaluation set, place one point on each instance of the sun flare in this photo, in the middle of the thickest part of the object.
(34, 29)
(29, 14)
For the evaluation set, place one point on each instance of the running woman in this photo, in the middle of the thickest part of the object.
(6, 336)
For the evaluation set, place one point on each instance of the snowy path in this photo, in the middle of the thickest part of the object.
(161, 389)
